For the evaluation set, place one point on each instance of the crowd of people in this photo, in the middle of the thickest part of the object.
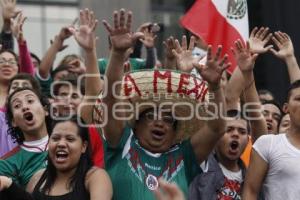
(125, 127)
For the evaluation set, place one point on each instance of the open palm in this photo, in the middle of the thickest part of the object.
(184, 56)
(169, 45)
(9, 9)
(149, 39)
(258, 40)
(17, 25)
(213, 70)
(85, 34)
(244, 57)
(185, 61)
(121, 36)
(284, 44)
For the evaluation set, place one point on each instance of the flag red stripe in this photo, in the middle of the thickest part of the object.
(204, 20)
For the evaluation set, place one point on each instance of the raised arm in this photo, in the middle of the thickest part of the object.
(49, 57)
(148, 41)
(246, 61)
(184, 56)
(121, 39)
(234, 90)
(170, 59)
(257, 41)
(85, 37)
(137, 51)
(25, 61)
(9, 12)
(286, 53)
(205, 139)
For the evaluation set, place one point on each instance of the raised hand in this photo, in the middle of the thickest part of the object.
(284, 44)
(213, 69)
(121, 36)
(149, 38)
(85, 33)
(64, 34)
(184, 56)
(169, 45)
(144, 26)
(9, 9)
(16, 26)
(258, 40)
(243, 55)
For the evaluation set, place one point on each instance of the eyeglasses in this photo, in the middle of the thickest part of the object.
(9, 62)
(150, 116)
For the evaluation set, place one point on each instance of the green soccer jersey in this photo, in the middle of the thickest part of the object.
(21, 165)
(135, 64)
(134, 171)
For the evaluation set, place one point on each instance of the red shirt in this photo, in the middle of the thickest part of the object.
(97, 147)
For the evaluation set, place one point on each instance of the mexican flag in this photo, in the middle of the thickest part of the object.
(219, 22)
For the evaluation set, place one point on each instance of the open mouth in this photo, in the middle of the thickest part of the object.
(234, 145)
(61, 156)
(69, 110)
(28, 116)
(157, 134)
(269, 126)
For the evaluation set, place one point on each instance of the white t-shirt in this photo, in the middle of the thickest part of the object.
(282, 181)
(232, 185)
(237, 176)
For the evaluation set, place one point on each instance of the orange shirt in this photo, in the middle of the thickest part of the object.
(247, 152)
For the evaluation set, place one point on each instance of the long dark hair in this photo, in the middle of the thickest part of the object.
(77, 181)
(15, 132)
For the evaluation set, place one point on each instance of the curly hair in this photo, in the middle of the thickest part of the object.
(15, 132)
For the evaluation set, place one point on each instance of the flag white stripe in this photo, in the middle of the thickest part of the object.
(241, 25)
